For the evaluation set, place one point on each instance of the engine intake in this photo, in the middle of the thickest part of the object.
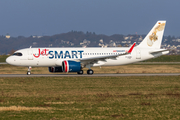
(71, 66)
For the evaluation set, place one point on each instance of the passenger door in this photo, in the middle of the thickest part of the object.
(30, 55)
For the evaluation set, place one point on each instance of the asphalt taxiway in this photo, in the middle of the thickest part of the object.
(85, 75)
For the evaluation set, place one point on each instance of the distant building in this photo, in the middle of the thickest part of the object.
(85, 43)
(8, 36)
(101, 40)
(35, 36)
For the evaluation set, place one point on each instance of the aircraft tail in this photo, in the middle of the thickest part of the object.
(154, 37)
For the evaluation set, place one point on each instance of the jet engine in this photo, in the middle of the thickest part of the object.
(55, 69)
(71, 66)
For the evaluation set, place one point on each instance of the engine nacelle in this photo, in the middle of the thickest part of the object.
(71, 66)
(55, 69)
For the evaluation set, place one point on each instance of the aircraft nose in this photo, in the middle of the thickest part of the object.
(9, 60)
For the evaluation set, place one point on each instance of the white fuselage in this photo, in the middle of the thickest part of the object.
(74, 59)
(46, 57)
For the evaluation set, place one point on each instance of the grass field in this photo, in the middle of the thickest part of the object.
(165, 58)
(3, 58)
(57, 98)
(132, 68)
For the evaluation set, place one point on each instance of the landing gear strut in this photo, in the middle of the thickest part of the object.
(29, 70)
(90, 72)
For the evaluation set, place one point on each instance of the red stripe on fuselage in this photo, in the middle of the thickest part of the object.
(66, 67)
(52, 69)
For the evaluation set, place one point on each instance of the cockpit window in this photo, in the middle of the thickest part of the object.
(17, 54)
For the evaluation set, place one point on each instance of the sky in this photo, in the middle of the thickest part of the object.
(49, 17)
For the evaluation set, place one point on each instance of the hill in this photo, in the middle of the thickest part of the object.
(76, 39)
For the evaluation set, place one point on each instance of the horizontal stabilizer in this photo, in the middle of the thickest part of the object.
(158, 51)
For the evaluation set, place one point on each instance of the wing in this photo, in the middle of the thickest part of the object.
(93, 60)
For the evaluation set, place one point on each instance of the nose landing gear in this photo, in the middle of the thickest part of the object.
(29, 70)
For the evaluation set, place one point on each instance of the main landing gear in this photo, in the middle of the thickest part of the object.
(89, 72)
(80, 72)
(29, 70)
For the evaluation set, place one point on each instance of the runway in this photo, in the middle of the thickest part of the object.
(85, 75)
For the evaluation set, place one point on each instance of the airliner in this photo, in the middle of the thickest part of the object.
(74, 59)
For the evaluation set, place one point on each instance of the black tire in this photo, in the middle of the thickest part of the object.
(28, 73)
(80, 72)
(90, 72)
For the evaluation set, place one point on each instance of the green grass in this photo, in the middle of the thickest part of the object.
(165, 58)
(3, 58)
(58, 98)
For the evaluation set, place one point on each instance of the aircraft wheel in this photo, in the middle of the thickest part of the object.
(90, 72)
(28, 73)
(80, 72)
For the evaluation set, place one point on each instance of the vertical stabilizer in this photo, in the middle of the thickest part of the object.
(154, 37)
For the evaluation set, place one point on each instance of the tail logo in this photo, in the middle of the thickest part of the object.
(153, 37)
